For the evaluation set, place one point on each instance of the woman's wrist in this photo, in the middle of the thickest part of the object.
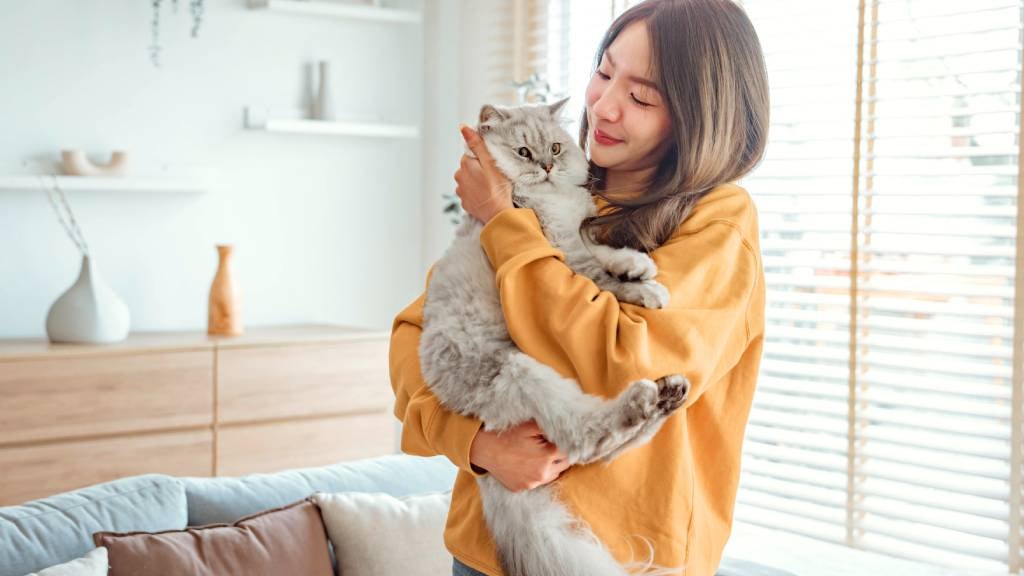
(478, 451)
(490, 208)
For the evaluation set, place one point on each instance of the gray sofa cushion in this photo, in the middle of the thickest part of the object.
(57, 529)
(216, 500)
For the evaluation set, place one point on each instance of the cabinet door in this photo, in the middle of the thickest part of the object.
(262, 383)
(46, 399)
(40, 470)
(273, 446)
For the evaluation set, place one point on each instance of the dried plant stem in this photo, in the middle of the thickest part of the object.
(69, 224)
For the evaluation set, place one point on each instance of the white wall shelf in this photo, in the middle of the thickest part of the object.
(28, 183)
(260, 119)
(339, 10)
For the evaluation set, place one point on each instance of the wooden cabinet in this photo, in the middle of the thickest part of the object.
(189, 404)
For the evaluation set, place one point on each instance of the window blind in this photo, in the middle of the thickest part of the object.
(889, 406)
(888, 409)
(518, 47)
(796, 462)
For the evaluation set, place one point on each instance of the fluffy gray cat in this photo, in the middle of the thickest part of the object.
(471, 364)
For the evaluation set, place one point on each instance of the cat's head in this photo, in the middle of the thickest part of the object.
(530, 145)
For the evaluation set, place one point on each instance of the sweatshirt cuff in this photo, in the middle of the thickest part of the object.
(456, 433)
(515, 232)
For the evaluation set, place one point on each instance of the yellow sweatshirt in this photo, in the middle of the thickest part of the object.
(678, 490)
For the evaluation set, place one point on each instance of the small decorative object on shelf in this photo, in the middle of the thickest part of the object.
(75, 163)
(533, 90)
(88, 312)
(195, 8)
(225, 313)
(323, 107)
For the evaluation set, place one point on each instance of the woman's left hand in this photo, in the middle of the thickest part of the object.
(481, 186)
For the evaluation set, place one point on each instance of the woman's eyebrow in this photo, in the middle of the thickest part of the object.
(638, 79)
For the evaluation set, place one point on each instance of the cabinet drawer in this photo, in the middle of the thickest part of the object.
(328, 378)
(41, 470)
(84, 396)
(270, 447)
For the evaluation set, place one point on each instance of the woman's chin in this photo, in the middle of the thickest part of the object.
(600, 156)
(601, 160)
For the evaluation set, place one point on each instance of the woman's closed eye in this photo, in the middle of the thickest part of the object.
(638, 101)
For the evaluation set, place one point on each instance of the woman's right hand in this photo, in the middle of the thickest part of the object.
(520, 457)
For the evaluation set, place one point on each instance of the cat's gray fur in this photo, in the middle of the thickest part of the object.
(473, 367)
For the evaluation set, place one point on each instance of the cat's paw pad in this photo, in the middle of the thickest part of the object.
(630, 265)
(672, 392)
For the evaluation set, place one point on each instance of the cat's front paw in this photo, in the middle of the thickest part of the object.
(649, 294)
(629, 265)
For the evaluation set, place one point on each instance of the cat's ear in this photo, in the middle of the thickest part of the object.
(489, 115)
(556, 107)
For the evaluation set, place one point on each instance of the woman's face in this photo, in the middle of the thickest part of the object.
(629, 124)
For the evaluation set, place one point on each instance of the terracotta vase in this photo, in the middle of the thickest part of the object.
(225, 318)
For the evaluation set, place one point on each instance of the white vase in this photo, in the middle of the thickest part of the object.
(89, 312)
(323, 107)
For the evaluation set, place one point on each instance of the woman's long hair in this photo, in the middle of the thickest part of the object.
(708, 61)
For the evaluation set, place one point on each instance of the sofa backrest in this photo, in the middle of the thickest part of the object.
(215, 500)
(58, 529)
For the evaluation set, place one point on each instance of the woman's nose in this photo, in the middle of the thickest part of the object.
(605, 107)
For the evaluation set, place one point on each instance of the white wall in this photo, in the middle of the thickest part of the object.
(459, 41)
(327, 229)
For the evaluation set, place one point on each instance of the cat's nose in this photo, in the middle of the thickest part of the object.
(547, 168)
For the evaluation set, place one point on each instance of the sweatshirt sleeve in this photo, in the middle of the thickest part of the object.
(428, 428)
(564, 319)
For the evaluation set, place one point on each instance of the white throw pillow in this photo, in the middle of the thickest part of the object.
(377, 534)
(92, 564)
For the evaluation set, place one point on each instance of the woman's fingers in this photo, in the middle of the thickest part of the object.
(484, 160)
(475, 143)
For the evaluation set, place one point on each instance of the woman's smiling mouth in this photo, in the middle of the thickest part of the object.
(604, 139)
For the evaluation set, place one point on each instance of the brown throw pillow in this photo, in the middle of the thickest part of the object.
(286, 540)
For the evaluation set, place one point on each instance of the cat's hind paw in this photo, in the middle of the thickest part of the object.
(672, 392)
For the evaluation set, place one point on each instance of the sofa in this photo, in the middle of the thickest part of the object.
(57, 529)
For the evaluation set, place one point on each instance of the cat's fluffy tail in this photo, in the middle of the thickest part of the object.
(535, 534)
(648, 567)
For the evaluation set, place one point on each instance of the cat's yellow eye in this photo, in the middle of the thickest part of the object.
(525, 152)
(556, 148)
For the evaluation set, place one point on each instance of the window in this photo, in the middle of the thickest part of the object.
(889, 406)
(888, 409)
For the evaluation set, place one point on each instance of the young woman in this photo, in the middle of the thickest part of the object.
(676, 112)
